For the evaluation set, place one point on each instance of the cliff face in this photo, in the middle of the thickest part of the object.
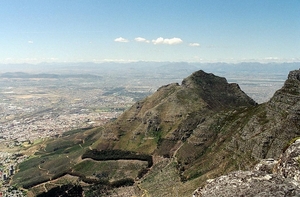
(274, 122)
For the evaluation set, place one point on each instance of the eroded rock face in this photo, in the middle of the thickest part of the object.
(289, 163)
(269, 178)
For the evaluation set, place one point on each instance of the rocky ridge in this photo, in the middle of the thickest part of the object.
(263, 131)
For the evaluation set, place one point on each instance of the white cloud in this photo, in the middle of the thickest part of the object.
(139, 39)
(120, 39)
(30, 42)
(171, 41)
(159, 40)
(194, 44)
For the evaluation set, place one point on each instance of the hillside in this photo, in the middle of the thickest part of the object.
(157, 123)
(194, 131)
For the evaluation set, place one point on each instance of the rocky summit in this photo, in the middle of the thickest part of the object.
(172, 142)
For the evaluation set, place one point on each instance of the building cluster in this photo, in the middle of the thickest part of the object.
(33, 118)
(8, 163)
(46, 125)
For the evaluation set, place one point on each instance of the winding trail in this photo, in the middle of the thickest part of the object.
(45, 188)
(174, 156)
(145, 192)
(175, 152)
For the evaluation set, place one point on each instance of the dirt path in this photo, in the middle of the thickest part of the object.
(174, 159)
(45, 188)
(145, 192)
(175, 152)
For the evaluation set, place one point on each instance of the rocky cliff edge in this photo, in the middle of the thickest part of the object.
(268, 178)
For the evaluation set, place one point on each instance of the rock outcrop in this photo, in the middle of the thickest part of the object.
(284, 179)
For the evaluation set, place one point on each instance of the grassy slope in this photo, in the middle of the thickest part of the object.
(51, 159)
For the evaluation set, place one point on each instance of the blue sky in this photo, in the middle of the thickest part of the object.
(34, 31)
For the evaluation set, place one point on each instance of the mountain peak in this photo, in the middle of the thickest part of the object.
(216, 91)
(201, 78)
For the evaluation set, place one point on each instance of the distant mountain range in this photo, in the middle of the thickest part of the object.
(154, 67)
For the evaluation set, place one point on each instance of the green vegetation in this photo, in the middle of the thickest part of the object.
(58, 157)
(53, 159)
(157, 136)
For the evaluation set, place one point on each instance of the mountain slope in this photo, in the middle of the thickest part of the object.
(200, 129)
(172, 113)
